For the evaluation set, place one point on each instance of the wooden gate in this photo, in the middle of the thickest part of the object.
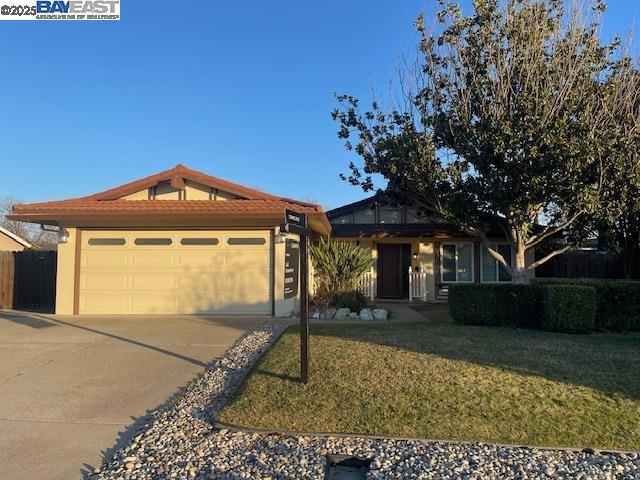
(6, 279)
(28, 279)
(34, 281)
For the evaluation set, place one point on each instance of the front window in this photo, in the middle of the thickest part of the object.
(492, 270)
(457, 262)
(390, 215)
(342, 219)
(415, 215)
(365, 215)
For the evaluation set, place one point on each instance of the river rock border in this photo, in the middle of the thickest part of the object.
(180, 442)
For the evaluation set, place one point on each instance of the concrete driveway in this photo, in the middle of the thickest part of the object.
(70, 386)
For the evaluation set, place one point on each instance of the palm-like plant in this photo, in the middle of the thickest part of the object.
(338, 266)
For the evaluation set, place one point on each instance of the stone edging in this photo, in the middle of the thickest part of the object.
(238, 428)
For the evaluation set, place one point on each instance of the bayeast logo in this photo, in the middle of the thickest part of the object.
(72, 7)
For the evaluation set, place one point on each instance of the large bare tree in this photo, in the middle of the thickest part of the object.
(502, 119)
(28, 231)
(618, 222)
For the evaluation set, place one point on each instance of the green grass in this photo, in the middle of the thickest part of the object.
(446, 381)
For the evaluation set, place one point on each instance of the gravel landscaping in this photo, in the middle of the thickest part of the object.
(180, 442)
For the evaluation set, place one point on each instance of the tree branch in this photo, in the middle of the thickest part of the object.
(548, 232)
(560, 251)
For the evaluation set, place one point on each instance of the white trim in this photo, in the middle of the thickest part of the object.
(483, 252)
(15, 237)
(473, 253)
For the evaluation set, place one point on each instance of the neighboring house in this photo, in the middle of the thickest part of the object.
(179, 241)
(10, 242)
(400, 237)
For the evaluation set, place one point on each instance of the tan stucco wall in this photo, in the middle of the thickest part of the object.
(192, 190)
(66, 273)
(196, 191)
(164, 191)
(222, 195)
(8, 244)
(141, 195)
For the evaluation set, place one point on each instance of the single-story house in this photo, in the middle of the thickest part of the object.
(179, 241)
(400, 236)
(10, 242)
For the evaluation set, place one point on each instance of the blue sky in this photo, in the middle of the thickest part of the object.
(240, 90)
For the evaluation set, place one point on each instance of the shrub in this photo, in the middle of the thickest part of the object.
(568, 308)
(354, 301)
(617, 301)
(338, 266)
(499, 305)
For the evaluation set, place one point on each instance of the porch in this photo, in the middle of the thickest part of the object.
(417, 290)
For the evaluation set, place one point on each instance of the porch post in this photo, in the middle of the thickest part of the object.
(410, 285)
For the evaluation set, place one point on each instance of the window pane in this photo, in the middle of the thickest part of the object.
(342, 219)
(107, 241)
(365, 215)
(449, 263)
(465, 263)
(246, 241)
(390, 215)
(199, 241)
(488, 267)
(415, 216)
(153, 241)
(505, 251)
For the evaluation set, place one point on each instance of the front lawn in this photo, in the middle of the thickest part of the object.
(446, 381)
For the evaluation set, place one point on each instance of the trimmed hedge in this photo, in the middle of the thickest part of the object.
(568, 308)
(617, 301)
(494, 304)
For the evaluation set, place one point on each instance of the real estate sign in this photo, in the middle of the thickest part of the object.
(291, 268)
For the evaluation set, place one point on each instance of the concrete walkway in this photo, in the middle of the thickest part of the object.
(71, 386)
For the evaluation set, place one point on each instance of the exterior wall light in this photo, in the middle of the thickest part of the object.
(280, 237)
(63, 236)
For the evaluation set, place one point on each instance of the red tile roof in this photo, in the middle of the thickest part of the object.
(108, 205)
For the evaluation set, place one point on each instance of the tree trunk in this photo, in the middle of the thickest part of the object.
(520, 265)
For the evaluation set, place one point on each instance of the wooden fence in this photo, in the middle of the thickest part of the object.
(583, 264)
(28, 279)
(6, 279)
(417, 285)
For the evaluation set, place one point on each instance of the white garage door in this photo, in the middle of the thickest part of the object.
(191, 271)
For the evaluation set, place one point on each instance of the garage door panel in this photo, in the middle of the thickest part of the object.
(227, 307)
(159, 302)
(176, 278)
(209, 282)
(243, 260)
(103, 259)
(98, 280)
(160, 258)
(154, 281)
(201, 258)
(103, 302)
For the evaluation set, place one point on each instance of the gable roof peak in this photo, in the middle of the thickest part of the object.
(177, 176)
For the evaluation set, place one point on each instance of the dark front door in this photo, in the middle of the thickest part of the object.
(393, 270)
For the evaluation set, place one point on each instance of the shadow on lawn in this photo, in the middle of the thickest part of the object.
(606, 362)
